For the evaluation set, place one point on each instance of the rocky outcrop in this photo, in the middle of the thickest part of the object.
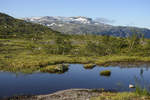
(70, 94)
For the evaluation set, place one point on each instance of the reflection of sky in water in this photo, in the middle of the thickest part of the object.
(76, 77)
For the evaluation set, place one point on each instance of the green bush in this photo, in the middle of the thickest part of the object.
(142, 91)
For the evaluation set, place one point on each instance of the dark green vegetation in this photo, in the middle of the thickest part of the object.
(105, 73)
(28, 47)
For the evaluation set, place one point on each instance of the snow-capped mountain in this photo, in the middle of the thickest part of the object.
(85, 25)
(51, 20)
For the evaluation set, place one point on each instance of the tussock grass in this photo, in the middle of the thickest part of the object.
(138, 94)
(25, 61)
(116, 58)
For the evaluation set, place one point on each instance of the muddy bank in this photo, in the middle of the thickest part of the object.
(70, 94)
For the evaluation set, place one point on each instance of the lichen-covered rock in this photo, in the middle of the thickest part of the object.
(60, 68)
(71, 94)
(89, 66)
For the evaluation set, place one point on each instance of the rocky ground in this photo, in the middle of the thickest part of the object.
(71, 94)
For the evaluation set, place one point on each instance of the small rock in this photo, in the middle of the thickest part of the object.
(131, 86)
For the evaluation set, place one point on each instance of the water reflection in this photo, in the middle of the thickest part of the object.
(141, 72)
(106, 73)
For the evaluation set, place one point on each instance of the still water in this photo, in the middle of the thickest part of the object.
(76, 77)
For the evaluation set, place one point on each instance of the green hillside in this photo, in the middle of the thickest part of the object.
(9, 26)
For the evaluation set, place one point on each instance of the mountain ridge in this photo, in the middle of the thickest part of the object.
(86, 25)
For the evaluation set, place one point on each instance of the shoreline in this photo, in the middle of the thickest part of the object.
(29, 64)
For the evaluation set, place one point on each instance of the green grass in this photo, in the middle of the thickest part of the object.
(25, 61)
(138, 94)
(105, 60)
(142, 91)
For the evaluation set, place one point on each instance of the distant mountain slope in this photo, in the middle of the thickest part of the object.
(12, 26)
(84, 25)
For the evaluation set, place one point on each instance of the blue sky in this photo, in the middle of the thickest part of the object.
(123, 12)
